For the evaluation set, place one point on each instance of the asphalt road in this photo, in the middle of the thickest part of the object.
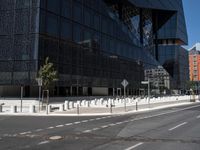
(176, 128)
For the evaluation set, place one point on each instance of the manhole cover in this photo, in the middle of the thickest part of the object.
(55, 137)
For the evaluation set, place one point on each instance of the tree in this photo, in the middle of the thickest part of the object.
(47, 73)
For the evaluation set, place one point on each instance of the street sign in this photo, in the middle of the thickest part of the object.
(39, 80)
(124, 83)
(145, 82)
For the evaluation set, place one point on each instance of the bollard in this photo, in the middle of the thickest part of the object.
(66, 105)
(49, 108)
(13, 109)
(1, 108)
(78, 111)
(136, 106)
(111, 108)
(61, 107)
(88, 103)
(32, 108)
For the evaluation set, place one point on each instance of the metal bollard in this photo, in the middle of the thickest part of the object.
(78, 109)
(136, 106)
(13, 109)
(32, 109)
(1, 108)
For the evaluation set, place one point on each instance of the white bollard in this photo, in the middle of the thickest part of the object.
(13, 109)
(66, 105)
(88, 103)
(61, 107)
(32, 108)
(49, 108)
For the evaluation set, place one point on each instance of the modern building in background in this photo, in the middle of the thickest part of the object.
(94, 44)
(194, 62)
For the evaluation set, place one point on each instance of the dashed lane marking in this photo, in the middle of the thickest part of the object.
(38, 130)
(43, 142)
(178, 126)
(50, 127)
(87, 131)
(134, 146)
(69, 124)
(59, 126)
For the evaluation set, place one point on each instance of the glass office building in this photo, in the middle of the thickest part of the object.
(94, 44)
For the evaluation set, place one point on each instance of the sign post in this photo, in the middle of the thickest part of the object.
(124, 83)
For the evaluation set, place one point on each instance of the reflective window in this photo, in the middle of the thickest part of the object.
(147, 28)
(66, 29)
(77, 33)
(53, 5)
(77, 12)
(66, 8)
(52, 24)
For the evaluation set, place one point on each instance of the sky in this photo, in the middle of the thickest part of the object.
(192, 16)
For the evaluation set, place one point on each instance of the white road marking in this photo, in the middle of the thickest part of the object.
(178, 126)
(87, 131)
(28, 132)
(112, 124)
(43, 142)
(50, 127)
(38, 130)
(94, 129)
(105, 126)
(134, 146)
(198, 117)
(59, 126)
(84, 121)
(77, 122)
(68, 124)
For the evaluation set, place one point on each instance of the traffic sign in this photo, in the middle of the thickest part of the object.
(124, 83)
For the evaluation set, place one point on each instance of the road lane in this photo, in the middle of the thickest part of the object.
(104, 131)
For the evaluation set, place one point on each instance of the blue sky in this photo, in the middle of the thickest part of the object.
(192, 16)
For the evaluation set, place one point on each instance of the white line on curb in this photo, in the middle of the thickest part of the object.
(134, 146)
(198, 117)
(178, 126)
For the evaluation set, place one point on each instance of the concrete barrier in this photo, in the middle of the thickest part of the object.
(32, 109)
(13, 109)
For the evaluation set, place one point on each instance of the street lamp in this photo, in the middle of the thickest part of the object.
(39, 80)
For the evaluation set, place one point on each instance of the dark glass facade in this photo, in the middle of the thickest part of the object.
(94, 44)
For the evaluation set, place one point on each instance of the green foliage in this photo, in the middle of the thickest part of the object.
(47, 73)
(191, 85)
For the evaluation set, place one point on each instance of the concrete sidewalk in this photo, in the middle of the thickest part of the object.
(91, 111)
